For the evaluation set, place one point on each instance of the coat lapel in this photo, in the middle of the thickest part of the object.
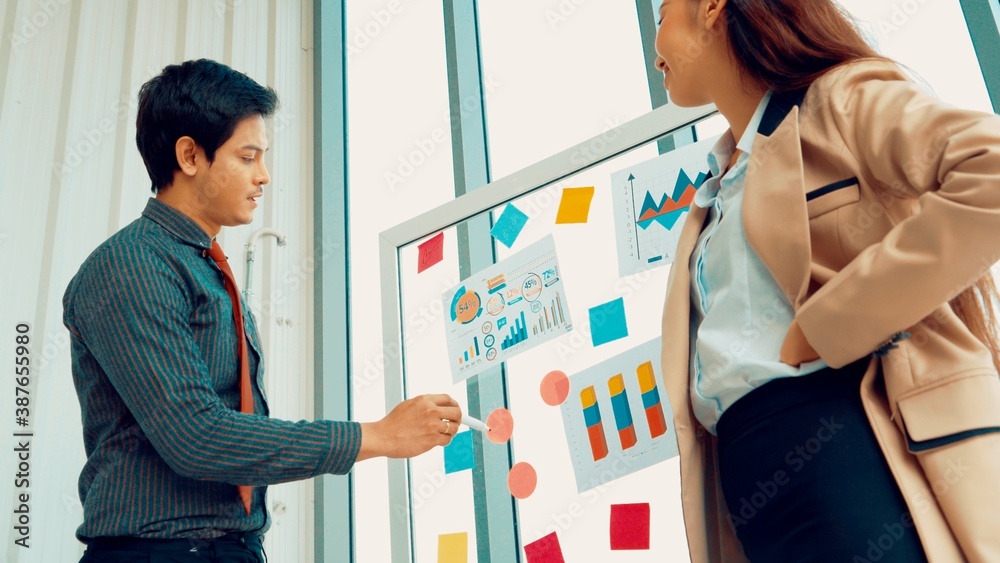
(676, 317)
(775, 217)
(674, 361)
(689, 235)
(700, 494)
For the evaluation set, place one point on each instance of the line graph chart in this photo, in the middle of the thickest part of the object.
(650, 200)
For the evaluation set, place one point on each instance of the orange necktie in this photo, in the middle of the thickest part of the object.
(246, 395)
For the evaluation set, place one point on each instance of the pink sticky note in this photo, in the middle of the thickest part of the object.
(630, 526)
(544, 550)
(431, 252)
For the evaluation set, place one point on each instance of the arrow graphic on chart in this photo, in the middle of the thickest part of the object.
(635, 221)
(668, 210)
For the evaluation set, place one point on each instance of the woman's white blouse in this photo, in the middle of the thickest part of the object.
(739, 315)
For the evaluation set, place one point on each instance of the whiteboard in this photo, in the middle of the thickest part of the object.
(622, 506)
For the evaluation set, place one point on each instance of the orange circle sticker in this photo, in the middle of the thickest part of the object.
(501, 425)
(554, 388)
(522, 480)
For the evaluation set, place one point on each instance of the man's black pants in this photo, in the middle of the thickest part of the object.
(230, 548)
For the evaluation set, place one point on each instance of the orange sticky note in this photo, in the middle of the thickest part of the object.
(453, 548)
(575, 205)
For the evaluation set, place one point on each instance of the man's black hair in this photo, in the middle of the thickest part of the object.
(201, 99)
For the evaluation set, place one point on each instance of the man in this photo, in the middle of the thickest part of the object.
(159, 365)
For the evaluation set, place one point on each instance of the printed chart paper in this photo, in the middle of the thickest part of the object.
(617, 417)
(506, 309)
(651, 200)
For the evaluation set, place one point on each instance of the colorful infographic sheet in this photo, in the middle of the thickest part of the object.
(506, 309)
(617, 417)
(651, 200)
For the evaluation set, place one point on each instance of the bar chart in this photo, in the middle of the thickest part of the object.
(592, 419)
(620, 417)
(651, 400)
(470, 354)
(550, 317)
(518, 334)
(620, 407)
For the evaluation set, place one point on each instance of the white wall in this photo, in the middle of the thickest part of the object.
(70, 176)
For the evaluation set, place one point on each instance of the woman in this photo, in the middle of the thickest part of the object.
(830, 346)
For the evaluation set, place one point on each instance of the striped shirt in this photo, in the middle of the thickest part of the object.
(155, 365)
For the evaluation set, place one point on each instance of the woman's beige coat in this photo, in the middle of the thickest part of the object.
(872, 204)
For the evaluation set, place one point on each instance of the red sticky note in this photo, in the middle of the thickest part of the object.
(630, 526)
(544, 550)
(431, 252)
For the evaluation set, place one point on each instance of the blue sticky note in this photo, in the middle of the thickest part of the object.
(458, 454)
(509, 225)
(607, 322)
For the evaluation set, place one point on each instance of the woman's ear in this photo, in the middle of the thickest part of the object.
(186, 151)
(713, 12)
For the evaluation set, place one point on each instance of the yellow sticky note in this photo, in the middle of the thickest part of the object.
(453, 548)
(575, 205)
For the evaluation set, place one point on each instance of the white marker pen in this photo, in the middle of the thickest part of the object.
(475, 423)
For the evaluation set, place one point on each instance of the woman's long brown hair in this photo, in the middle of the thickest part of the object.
(786, 45)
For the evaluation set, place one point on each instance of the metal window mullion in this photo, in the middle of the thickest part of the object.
(334, 504)
(495, 509)
(983, 19)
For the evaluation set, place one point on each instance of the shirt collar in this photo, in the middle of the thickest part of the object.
(721, 152)
(746, 141)
(726, 145)
(179, 224)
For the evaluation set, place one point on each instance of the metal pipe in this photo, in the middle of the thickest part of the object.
(250, 246)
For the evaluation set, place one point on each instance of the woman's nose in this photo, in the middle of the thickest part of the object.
(660, 64)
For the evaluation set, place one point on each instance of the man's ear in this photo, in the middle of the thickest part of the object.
(714, 11)
(187, 152)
